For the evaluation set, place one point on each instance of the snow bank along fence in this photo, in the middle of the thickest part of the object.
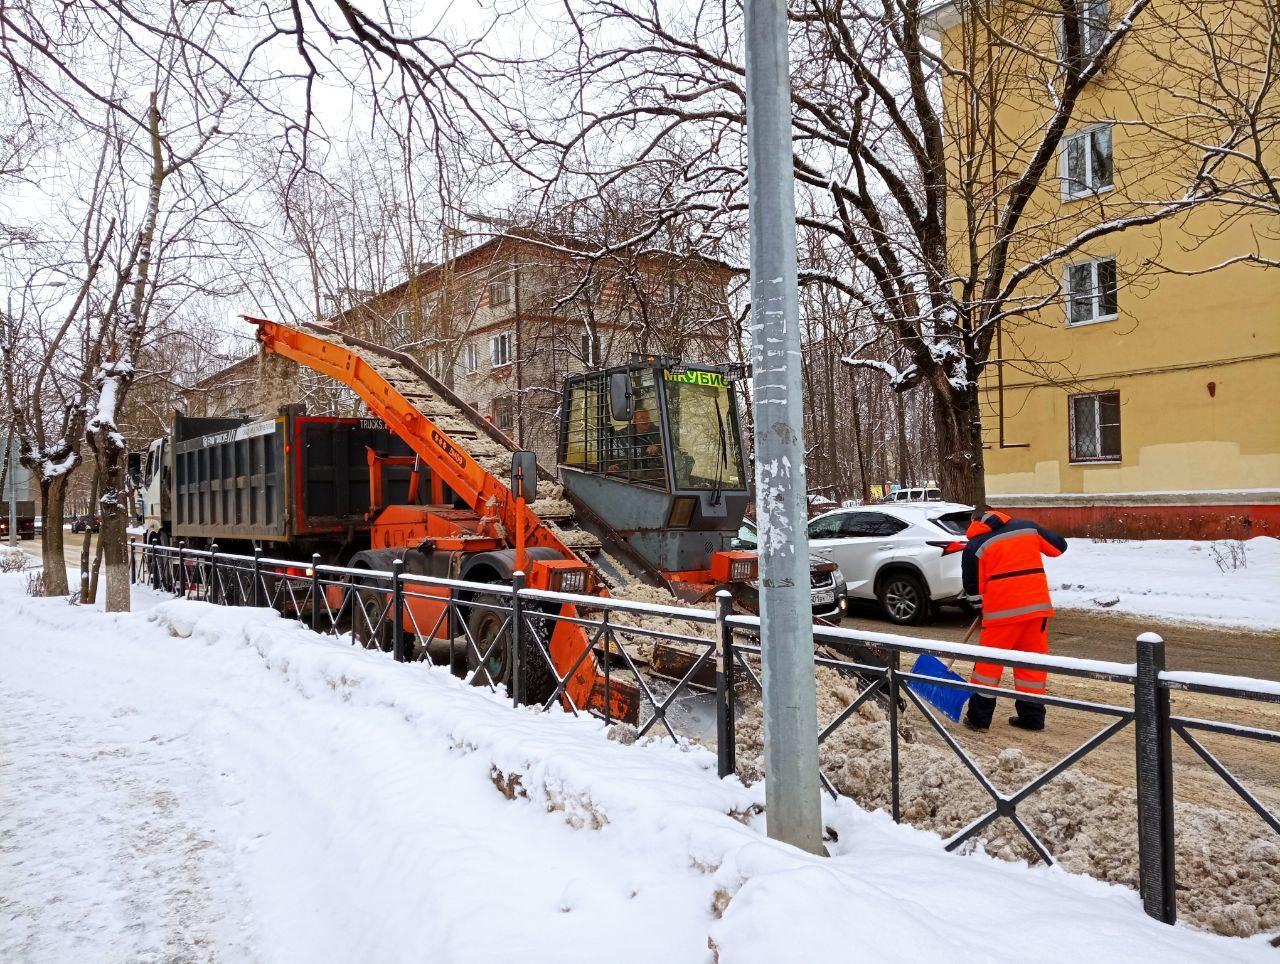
(698, 685)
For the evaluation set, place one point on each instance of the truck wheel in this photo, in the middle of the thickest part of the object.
(487, 625)
(904, 599)
(370, 625)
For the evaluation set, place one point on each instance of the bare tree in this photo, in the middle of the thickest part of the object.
(942, 231)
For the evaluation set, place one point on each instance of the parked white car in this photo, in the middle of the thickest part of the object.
(905, 556)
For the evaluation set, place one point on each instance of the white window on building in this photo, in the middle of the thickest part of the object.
(1091, 291)
(1086, 162)
(499, 293)
(1093, 23)
(1095, 427)
(470, 358)
(589, 348)
(500, 349)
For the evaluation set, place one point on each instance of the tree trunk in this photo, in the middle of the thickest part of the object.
(856, 413)
(53, 499)
(960, 457)
(93, 573)
(113, 538)
(900, 419)
(86, 594)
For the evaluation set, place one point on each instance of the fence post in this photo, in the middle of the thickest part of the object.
(399, 651)
(180, 589)
(211, 593)
(517, 635)
(257, 576)
(1153, 740)
(316, 601)
(895, 788)
(133, 565)
(726, 750)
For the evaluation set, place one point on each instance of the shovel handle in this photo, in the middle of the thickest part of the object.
(967, 636)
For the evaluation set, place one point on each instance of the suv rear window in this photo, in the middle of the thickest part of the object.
(954, 522)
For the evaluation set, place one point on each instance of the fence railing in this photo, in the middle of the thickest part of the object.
(498, 635)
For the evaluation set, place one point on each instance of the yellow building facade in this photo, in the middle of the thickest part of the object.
(1136, 392)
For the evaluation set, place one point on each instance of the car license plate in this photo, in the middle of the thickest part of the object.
(824, 598)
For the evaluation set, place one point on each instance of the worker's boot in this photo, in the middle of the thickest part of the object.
(981, 709)
(1030, 715)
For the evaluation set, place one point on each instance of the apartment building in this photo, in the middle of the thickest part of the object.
(503, 323)
(1138, 392)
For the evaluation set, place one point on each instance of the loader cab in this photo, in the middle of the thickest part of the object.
(665, 471)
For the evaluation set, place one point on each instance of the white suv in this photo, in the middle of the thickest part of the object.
(906, 556)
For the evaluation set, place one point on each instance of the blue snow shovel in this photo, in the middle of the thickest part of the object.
(949, 699)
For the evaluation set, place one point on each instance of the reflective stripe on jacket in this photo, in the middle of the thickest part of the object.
(1004, 563)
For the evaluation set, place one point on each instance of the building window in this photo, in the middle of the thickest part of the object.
(1091, 291)
(504, 411)
(1086, 162)
(1095, 427)
(470, 358)
(1093, 26)
(499, 293)
(589, 348)
(500, 349)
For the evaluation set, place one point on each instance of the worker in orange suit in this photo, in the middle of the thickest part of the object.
(1003, 572)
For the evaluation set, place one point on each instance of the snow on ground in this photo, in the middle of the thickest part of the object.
(194, 783)
(1173, 579)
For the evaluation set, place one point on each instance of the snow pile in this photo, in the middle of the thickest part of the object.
(208, 783)
(1173, 579)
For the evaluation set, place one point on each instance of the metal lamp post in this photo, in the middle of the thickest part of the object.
(786, 618)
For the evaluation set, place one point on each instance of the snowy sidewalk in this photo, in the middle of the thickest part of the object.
(1173, 579)
(195, 783)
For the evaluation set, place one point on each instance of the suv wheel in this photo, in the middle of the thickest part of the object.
(904, 599)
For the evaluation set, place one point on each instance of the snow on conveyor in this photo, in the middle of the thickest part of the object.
(195, 783)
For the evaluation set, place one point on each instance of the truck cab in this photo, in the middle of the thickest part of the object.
(154, 492)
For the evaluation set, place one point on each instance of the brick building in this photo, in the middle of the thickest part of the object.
(503, 324)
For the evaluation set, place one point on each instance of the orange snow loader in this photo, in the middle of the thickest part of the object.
(651, 491)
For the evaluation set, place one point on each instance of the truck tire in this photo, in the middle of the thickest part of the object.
(904, 599)
(370, 625)
(484, 626)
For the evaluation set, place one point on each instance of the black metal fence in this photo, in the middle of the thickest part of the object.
(698, 696)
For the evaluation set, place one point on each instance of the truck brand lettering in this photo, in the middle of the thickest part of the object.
(238, 434)
(447, 447)
(691, 377)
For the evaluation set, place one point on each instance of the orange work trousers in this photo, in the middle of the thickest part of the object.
(1024, 635)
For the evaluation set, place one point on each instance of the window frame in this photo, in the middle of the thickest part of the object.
(499, 285)
(1064, 153)
(1095, 297)
(1102, 457)
(1087, 50)
(504, 406)
(497, 358)
(470, 359)
(590, 347)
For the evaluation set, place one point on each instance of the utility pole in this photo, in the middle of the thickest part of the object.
(794, 811)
